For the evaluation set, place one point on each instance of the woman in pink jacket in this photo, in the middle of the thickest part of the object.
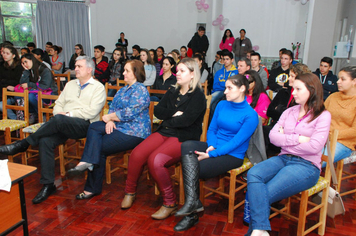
(227, 40)
(301, 132)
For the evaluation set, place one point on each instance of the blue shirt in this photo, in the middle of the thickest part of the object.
(231, 128)
(131, 105)
(221, 76)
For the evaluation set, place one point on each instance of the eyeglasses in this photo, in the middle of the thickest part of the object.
(77, 48)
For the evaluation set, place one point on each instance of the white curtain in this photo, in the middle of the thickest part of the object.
(64, 24)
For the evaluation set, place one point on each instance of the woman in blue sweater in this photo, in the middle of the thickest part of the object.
(229, 133)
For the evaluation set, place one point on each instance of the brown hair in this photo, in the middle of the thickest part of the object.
(16, 59)
(315, 102)
(138, 70)
(299, 69)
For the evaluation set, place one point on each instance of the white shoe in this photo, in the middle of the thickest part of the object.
(257, 232)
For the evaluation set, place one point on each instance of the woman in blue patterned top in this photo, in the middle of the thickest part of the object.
(125, 126)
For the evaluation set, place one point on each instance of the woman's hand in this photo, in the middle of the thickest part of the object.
(109, 127)
(303, 139)
(202, 155)
(211, 148)
(24, 85)
(10, 88)
(106, 118)
(178, 113)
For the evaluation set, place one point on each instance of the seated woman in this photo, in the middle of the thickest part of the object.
(301, 132)
(229, 133)
(42, 57)
(78, 51)
(342, 106)
(176, 54)
(183, 52)
(24, 51)
(127, 124)
(10, 74)
(115, 68)
(153, 55)
(182, 110)
(283, 100)
(56, 59)
(204, 73)
(150, 69)
(36, 77)
(257, 97)
(160, 55)
(167, 79)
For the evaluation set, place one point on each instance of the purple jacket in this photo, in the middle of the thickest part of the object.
(317, 130)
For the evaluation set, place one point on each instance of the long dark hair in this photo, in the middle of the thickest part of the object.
(121, 59)
(44, 56)
(56, 48)
(315, 102)
(253, 76)
(37, 67)
(149, 58)
(155, 58)
(239, 80)
(172, 62)
(224, 37)
(81, 51)
(16, 59)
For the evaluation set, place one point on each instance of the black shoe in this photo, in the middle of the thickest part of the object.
(45, 192)
(82, 196)
(187, 222)
(14, 148)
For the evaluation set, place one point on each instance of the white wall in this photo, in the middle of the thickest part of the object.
(270, 24)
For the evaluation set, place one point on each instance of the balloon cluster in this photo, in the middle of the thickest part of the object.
(221, 22)
(201, 5)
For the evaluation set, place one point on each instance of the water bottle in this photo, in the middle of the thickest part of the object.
(246, 218)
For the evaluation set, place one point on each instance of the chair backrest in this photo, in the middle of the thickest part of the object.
(331, 146)
(155, 91)
(203, 137)
(151, 110)
(205, 87)
(121, 82)
(58, 77)
(5, 106)
(44, 109)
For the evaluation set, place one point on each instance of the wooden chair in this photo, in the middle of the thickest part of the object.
(60, 79)
(8, 125)
(322, 185)
(344, 175)
(43, 110)
(125, 155)
(205, 87)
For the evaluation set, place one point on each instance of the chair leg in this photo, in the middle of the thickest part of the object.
(61, 159)
(201, 186)
(7, 135)
(323, 211)
(339, 169)
(181, 186)
(108, 170)
(230, 215)
(302, 213)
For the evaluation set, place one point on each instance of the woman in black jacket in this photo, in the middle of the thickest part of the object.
(182, 110)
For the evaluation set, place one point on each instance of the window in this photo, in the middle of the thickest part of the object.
(17, 21)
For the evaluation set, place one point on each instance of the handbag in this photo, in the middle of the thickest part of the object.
(335, 203)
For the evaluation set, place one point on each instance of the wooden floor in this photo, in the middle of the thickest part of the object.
(62, 214)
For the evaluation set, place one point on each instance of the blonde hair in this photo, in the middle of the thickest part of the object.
(192, 66)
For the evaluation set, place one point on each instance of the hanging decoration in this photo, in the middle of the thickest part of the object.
(93, 1)
(201, 5)
(221, 22)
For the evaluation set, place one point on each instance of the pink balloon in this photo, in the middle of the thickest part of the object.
(221, 22)
(202, 5)
(93, 1)
(255, 48)
(216, 22)
(221, 27)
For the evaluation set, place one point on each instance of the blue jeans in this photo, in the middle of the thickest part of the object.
(10, 113)
(341, 152)
(273, 180)
(98, 146)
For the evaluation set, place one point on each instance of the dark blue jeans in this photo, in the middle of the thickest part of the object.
(98, 146)
(273, 180)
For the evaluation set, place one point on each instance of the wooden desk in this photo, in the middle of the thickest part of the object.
(12, 204)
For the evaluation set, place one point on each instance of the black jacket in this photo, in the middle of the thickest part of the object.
(329, 83)
(199, 44)
(281, 75)
(279, 104)
(189, 125)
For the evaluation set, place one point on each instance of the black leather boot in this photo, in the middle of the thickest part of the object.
(190, 170)
(187, 222)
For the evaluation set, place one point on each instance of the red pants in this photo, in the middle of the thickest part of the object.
(158, 152)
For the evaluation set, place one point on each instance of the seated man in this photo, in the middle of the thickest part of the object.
(278, 78)
(256, 66)
(243, 65)
(221, 76)
(218, 63)
(327, 78)
(135, 52)
(78, 105)
(102, 73)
